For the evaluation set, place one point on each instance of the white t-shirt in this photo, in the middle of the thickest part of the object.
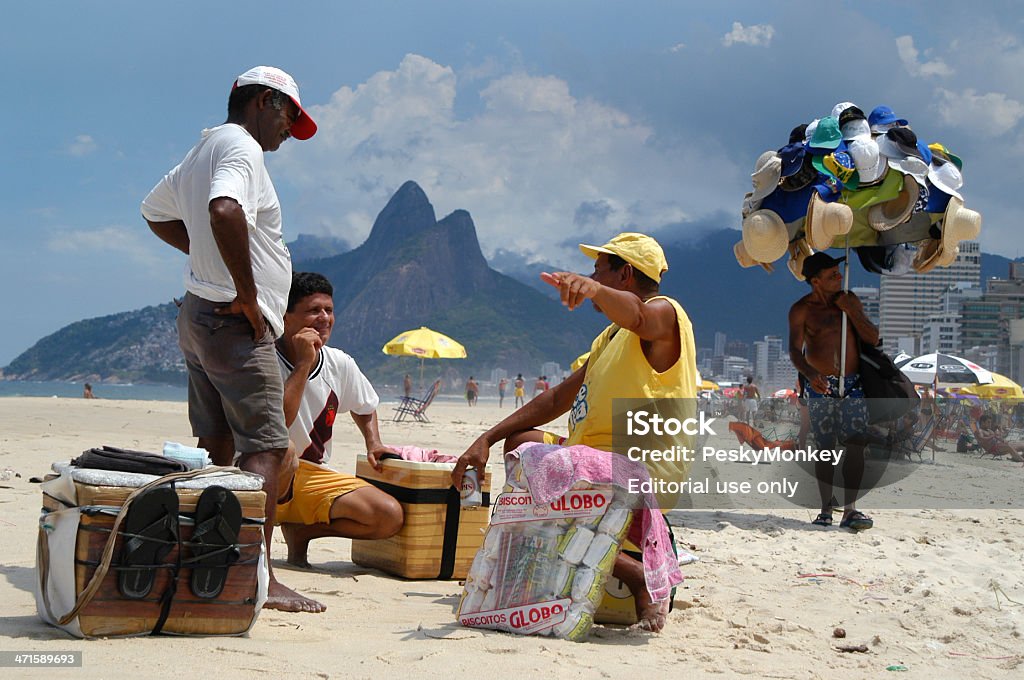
(227, 163)
(336, 385)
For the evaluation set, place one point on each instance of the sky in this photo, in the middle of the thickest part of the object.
(552, 122)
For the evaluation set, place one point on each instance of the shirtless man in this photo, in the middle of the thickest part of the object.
(750, 396)
(815, 339)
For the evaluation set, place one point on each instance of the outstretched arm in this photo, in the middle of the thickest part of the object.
(652, 321)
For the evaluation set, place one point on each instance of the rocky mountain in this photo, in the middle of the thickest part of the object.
(416, 270)
(130, 347)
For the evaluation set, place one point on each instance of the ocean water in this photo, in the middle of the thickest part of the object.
(25, 388)
(389, 394)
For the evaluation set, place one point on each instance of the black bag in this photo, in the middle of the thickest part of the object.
(126, 460)
(889, 392)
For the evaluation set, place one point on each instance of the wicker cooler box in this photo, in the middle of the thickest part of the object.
(440, 537)
(79, 509)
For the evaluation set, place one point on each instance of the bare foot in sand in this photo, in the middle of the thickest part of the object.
(298, 545)
(650, 615)
(283, 598)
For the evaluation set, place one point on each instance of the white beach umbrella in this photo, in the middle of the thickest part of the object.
(949, 369)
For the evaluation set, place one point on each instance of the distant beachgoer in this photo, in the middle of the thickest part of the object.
(992, 440)
(472, 389)
(502, 384)
(321, 382)
(648, 350)
(750, 396)
(219, 207)
(538, 386)
(407, 385)
(520, 391)
(815, 338)
(87, 392)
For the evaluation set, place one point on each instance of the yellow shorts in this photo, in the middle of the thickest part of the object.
(520, 392)
(314, 490)
(552, 438)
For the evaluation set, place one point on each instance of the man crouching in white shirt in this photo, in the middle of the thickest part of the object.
(320, 383)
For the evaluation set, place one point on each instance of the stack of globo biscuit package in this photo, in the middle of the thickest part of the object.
(542, 568)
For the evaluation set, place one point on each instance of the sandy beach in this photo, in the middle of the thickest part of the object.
(937, 592)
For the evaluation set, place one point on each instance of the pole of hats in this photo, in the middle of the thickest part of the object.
(842, 345)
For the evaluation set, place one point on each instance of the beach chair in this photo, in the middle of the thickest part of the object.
(417, 408)
(916, 440)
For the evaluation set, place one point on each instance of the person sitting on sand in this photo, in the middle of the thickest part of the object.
(321, 382)
(993, 440)
(647, 351)
(87, 392)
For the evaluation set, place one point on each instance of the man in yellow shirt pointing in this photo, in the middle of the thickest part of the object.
(647, 352)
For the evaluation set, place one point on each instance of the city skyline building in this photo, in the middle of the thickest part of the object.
(907, 302)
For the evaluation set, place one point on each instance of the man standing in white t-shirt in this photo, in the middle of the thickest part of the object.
(322, 382)
(220, 208)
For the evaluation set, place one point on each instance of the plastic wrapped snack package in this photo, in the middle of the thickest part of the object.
(561, 579)
(616, 521)
(601, 553)
(577, 624)
(573, 544)
(542, 568)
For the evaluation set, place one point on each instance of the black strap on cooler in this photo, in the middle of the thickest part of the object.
(453, 507)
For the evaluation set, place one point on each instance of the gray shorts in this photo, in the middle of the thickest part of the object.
(235, 387)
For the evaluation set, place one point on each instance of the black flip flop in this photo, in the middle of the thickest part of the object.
(151, 531)
(215, 540)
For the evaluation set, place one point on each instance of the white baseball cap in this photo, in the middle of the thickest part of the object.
(275, 78)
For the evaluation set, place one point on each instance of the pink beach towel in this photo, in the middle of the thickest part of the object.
(418, 455)
(551, 470)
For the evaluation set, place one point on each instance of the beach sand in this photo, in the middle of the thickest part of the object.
(920, 590)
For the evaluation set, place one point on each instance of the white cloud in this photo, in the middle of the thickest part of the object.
(678, 47)
(909, 56)
(990, 114)
(119, 241)
(82, 146)
(758, 35)
(536, 166)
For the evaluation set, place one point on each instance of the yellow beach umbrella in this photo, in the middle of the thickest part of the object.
(579, 361)
(1001, 387)
(703, 384)
(424, 343)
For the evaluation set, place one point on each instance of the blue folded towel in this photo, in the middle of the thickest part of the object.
(193, 457)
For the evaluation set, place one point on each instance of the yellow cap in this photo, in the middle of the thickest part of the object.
(640, 250)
